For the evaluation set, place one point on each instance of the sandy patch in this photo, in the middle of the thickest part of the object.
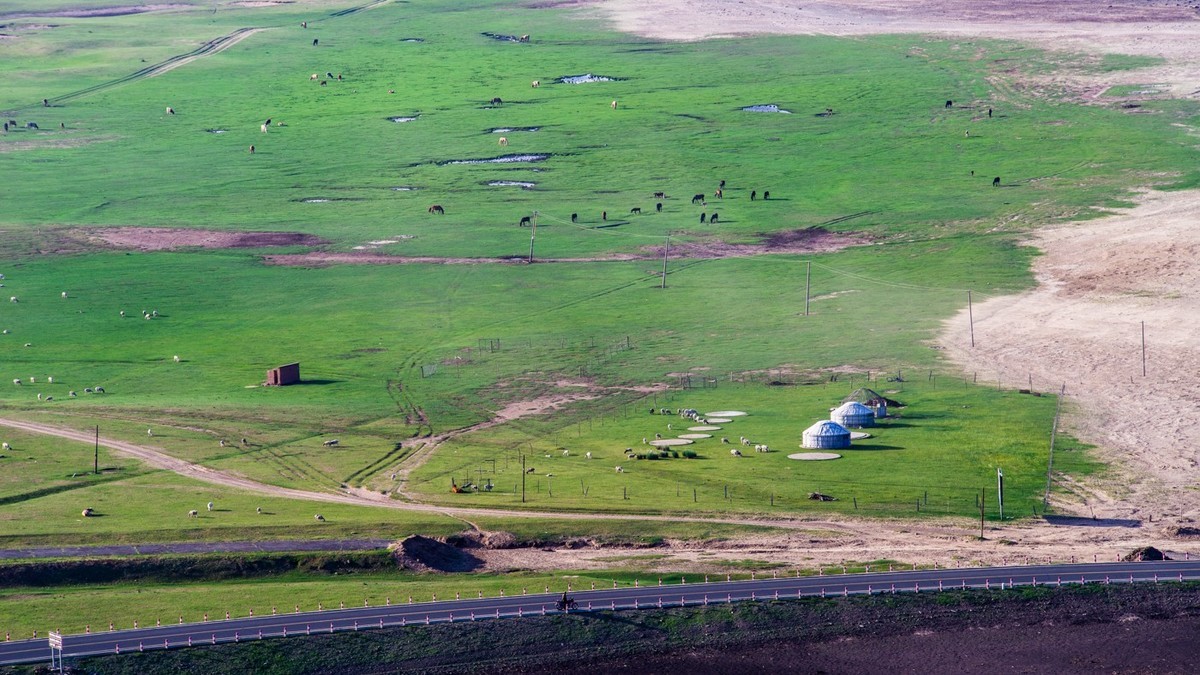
(84, 12)
(166, 238)
(807, 240)
(1141, 27)
(1082, 327)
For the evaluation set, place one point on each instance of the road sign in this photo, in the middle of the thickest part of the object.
(56, 641)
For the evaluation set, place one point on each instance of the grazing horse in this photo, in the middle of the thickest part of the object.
(697, 198)
(996, 181)
(702, 217)
(949, 104)
(720, 194)
(574, 217)
(753, 195)
(766, 195)
(636, 209)
(315, 42)
(714, 218)
(525, 220)
(658, 207)
(437, 208)
(497, 101)
(660, 195)
(504, 141)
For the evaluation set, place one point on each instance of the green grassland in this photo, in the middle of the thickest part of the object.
(891, 166)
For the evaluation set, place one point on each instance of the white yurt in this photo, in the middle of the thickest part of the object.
(826, 434)
(853, 415)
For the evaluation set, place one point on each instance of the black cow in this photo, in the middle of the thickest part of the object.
(949, 104)
(497, 101)
(314, 42)
(658, 207)
(702, 217)
(714, 218)
(996, 181)
(766, 195)
(697, 198)
(604, 215)
(722, 185)
(574, 217)
(525, 220)
(636, 209)
(753, 195)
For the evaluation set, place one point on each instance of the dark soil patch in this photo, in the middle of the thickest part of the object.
(807, 240)
(501, 37)
(166, 238)
(423, 554)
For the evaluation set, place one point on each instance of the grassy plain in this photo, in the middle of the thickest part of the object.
(891, 165)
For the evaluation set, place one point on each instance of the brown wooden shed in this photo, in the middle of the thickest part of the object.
(283, 375)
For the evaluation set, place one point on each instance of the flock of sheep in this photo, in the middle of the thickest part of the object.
(194, 513)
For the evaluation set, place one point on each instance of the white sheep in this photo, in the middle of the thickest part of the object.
(263, 128)
(258, 510)
(32, 380)
(72, 393)
(193, 513)
(28, 344)
(176, 358)
(50, 380)
(210, 506)
(758, 448)
(314, 76)
(64, 294)
(566, 453)
(619, 469)
(87, 512)
(588, 454)
(122, 314)
(735, 452)
(6, 446)
(150, 432)
(535, 84)
(5, 331)
(17, 381)
(319, 518)
(13, 299)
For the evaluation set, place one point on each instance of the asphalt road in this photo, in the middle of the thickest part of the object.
(625, 597)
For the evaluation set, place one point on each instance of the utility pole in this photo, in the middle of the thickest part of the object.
(96, 457)
(666, 252)
(982, 502)
(532, 236)
(971, 318)
(523, 478)
(807, 286)
(1000, 490)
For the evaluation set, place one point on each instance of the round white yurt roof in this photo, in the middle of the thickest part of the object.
(827, 428)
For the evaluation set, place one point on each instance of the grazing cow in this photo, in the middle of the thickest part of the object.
(314, 77)
(722, 184)
(193, 513)
(614, 104)
(330, 443)
(660, 195)
(504, 141)
(766, 195)
(315, 42)
(523, 38)
(497, 101)
(530, 469)
(252, 149)
(658, 207)
(697, 198)
(719, 194)
(604, 215)
(525, 220)
(949, 104)
(619, 469)
(735, 452)
(574, 217)
(967, 133)
(724, 440)
(703, 216)
(319, 518)
(170, 110)
(535, 84)
(753, 195)
(636, 209)
(996, 181)
(99, 390)
(339, 77)
(437, 208)
(31, 125)
(714, 218)
(258, 510)
(329, 74)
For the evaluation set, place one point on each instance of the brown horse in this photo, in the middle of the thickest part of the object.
(437, 208)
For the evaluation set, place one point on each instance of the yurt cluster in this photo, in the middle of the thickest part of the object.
(860, 410)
